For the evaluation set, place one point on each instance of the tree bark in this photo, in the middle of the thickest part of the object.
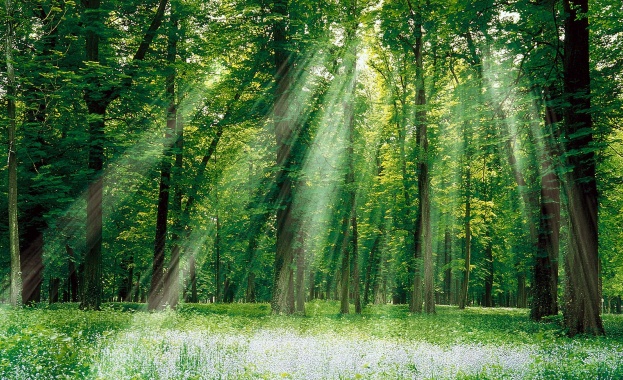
(447, 277)
(16, 275)
(217, 261)
(73, 274)
(164, 286)
(545, 293)
(345, 269)
(463, 298)
(424, 236)
(284, 135)
(583, 290)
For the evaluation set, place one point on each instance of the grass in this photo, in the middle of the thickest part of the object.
(243, 341)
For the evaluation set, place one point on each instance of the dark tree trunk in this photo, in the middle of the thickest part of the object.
(300, 278)
(127, 282)
(312, 285)
(522, 296)
(284, 135)
(32, 258)
(54, 290)
(73, 274)
(156, 291)
(159, 294)
(355, 259)
(463, 298)
(447, 277)
(488, 296)
(92, 288)
(11, 91)
(545, 282)
(217, 261)
(192, 276)
(345, 269)
(545, 288)
(370, 269)
(583, 291)
(171, 277)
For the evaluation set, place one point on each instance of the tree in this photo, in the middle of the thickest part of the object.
(285, 134)
(98, 95)
(161, 290)
(583, 286)
(16, 275)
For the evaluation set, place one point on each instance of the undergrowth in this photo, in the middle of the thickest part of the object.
(209, 341)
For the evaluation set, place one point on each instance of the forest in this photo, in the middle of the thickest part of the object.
(429, 154)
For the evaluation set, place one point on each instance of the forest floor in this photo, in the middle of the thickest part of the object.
(243, 341)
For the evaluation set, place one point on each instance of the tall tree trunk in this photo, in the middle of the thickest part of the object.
(156, 296)
(217, 261)
(284, 135)
(583, 290)
(488, 252)
(350, 247)
(16, 280)
(545, 299)
(162, 284)
(172, 275)
(424, 236)
(96, 106)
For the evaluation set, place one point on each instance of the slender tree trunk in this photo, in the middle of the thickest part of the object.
(217, 261)
(583, 290)
(16, 275)
(468, 242)
(488, 252)
(73, 274)
(172, 275)
(313, 289)
(300, 276)
(158, 292)
(488, 296)
(447, 277)
(127, 282)
(355, 259)
(345, 270)
(156, 289)
(351, 243)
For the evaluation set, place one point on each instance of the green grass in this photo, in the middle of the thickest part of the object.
(244, 341)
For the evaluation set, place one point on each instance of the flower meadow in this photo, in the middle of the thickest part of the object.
(246, 342)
